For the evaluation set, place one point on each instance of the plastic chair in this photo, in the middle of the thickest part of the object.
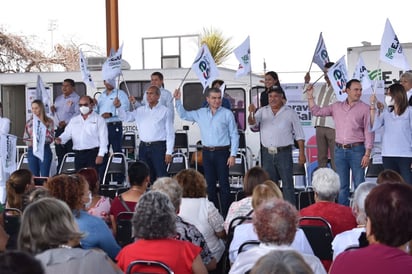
(124, 228)
(67, 166)
(116, 165)
(128, 143)
(149, 264)
(320, 236)
(178, 163)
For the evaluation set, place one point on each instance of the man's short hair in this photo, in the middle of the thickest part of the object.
(70, 81)
(209, 90)
(277, 89)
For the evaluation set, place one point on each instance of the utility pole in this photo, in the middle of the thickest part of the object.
(112, 25)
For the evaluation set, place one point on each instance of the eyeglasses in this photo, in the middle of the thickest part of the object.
(83, 105)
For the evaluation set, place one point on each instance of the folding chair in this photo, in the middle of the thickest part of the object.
(117, 164)
(108, 191)
(375, 166)
(182, 141)
(247, 245)
(124, 228)
(150, 266)
(238, 170)
(67, 166)
(320, 236)
(178, 163)
(23, 162)
(306, 197)
(129, 143)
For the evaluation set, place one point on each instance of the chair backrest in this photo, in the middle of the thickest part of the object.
(246, 245)
(23, 162)
(117, 164)
(12, 221)
(108, 191)
(129, 140)
(149, 265)
(67, 166)
(319, 235)
(306, 197)
(124, 228)
(374, 167)
(178, 163)
(182, 141)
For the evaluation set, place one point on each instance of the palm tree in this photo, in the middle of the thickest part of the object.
(218, 45)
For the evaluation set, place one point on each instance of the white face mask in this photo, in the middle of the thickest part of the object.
(84, 110)
(389, 100)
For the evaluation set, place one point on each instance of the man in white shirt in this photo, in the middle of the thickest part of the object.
(156, 131)
(88, 131)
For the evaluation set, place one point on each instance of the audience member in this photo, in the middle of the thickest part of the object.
(48, 231)
(389, 176)
(34, 194)
(271, 80)
(406, 82)
(199, 211)
(396, 121)
(245, 232)
(350, 238)
(281, 262)
(185, 231)
(74, 190)
(19, 182)
(220, 139)
(19, 262)
(253, 177)
(99, 205)
(154, 226)
(139, 179)
(354, 141)
(275, 222)
(388, 209)
(36, 135)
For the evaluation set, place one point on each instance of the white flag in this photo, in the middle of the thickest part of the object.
(8, 152)
(361, 73)
(391, 50)
(43, 94)
(242, 54)
(205, 67)
(338, 76)
(321, 56)
(113, 65)
(39, 138)
(86, 75)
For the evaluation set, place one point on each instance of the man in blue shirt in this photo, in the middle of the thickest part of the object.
(220, 141)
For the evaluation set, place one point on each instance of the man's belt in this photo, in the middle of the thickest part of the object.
(216, 148)
(153, 143)
(85, 150)
(347, 146)
(275, 150)
(114, 123)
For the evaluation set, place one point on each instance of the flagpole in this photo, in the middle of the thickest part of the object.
(184, 78)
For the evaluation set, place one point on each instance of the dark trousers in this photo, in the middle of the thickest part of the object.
(61, 149)
(402, 165)
(86, 158)
(216, 169)
(154, 156)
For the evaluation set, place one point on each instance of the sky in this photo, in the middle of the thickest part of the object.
(283, 33)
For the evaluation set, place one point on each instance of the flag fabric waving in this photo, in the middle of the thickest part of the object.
(43, 94)
(338, 76)
(113, 65)
(361, 73)
(8, 153)
(321, 56)
(242, 54)
(39, 138)
(86, 75)
(205, 67)
(391, 50)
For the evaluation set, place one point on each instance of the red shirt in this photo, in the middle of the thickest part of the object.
(178, 255)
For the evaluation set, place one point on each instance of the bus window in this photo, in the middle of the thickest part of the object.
(79, 87)
(135, 88)
(193, 96)
(237, 97)
(255, 95)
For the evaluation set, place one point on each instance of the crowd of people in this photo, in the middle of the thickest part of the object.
(68, 226)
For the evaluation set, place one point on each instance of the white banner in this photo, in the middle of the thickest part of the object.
(242, 54)
(361, 73)
(43, 94)
(113, 65)
(86, 75)
(338, 76)
(321, 56)
(39, 138)
(8, 153)
(204, 66)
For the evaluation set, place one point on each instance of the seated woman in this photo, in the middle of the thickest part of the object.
(139, 179)
(49, 232)
(19, 182)
(351, 237)
(275, 222)
(199, 211)
(388, 209)
(154, 226)
(281, 261)
(100, 205)
(254, 176)
(74, 190)
(245, 232)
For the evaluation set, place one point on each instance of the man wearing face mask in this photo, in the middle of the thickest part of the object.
(88, 131)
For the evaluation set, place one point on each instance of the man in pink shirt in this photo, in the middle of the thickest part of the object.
(353, 140)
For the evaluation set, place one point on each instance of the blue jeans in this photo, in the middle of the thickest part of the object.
(346, 160)
(37, 167)
(154, 156)
(402, 165)
(216, 169)
(280, 167)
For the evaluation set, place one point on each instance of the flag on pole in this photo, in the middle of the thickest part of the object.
(113, 65)
(39, 138)
(205, 67)
(242, 54)
(321, 56)
(43, 94)
(391, 50)
(338, 76)
(86, 75)
(361, 73)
